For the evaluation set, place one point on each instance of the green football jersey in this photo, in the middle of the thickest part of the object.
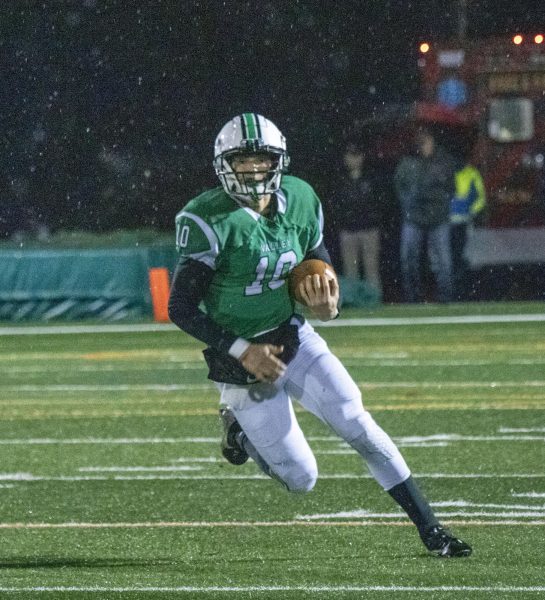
(251, 255)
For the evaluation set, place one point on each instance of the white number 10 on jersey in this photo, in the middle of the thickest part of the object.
(286, 261)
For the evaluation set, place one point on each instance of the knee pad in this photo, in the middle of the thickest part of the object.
(350, 420)
(300, 478)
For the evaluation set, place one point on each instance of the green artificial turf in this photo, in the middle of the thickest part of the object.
(112, 484)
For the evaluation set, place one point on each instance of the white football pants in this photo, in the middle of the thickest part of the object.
(319, 382)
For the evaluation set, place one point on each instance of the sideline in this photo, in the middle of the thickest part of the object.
(370, 322)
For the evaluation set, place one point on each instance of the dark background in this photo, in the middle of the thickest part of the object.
(109, 109)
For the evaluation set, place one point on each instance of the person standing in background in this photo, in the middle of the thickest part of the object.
(467, 203)
(357, 207)
(424, 185)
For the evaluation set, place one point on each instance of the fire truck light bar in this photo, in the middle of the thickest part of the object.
(517, 39)
(538, 39)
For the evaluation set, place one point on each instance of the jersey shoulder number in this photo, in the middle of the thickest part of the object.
(195, 238)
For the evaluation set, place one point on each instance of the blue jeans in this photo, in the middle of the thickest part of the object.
(437, 242)
(460, 267)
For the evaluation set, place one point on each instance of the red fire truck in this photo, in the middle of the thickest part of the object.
(495, 89)
(489, 96)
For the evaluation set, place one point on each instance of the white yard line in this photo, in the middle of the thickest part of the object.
(239, 589)
(200, 365)
(138, 469)
(342, 447)
(202, 459)
(180, 387)
(110, 368)
(454, 437)
(243, 524)
(123, 387)
(365, 514)
(30, 477)
(450, 384)
(79, 329)
(370, 322)
(521, 430)
(364, 362)
(447, 320)
(466, 504)
(106, 441)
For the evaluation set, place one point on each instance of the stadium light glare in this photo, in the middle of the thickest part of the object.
(517, 40)
(538, 38)
(424, 47)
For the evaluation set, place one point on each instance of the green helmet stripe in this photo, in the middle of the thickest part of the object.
(258, 126)
(250, 126)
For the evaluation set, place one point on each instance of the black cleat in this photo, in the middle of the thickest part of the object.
(441, 542)
(232, 451)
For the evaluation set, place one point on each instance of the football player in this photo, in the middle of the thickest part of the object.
(237, 244)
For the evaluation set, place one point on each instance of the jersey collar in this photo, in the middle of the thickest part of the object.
(281, 206)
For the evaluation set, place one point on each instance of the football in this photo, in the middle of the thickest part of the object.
(303, 269)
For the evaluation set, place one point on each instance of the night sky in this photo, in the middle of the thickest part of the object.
(109, 108)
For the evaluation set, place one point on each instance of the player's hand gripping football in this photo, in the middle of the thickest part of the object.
(321, 295)
(262, 362)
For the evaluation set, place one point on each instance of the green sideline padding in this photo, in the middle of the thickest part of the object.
(108, 283)
(356, 293)
(100, 283)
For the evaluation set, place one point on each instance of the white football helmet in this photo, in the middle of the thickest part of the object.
(246, 134)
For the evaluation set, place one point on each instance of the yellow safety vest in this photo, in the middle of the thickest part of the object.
(470, 196)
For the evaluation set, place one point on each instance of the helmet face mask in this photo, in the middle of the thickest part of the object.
(257, 144)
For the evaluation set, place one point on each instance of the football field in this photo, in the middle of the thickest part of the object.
(112, 484)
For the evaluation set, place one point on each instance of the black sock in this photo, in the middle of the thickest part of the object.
(413, 502)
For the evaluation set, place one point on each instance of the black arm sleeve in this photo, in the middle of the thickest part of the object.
(321, 253)
(189, 284)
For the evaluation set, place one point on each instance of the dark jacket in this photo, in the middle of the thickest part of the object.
(357, 204)
(425, 187)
